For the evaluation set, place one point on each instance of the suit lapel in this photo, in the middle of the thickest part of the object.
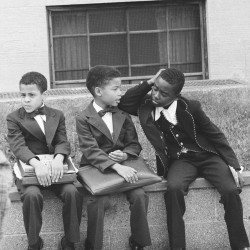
(185, 118)
(118, 120)
(150, 129)
(50, 125)
(96, 121)
(31, 125)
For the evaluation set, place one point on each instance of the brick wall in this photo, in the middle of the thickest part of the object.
(24, 38)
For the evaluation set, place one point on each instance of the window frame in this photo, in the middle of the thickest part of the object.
(87, 7)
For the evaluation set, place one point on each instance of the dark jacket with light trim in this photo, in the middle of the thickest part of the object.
(189, 114)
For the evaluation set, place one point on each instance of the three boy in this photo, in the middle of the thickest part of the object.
(37, 129)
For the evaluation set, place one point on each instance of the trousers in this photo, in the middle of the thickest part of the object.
(182, 173)
(96, 207)
(32, 199)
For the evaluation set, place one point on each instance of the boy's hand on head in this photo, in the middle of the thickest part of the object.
(153, 79)
(128, 173)
(118, 156)
(57, 168)
(42, 172)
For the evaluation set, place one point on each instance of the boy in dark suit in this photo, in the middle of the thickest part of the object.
(187, 145)
(107, 137)
(37, 129)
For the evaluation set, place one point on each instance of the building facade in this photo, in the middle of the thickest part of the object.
(206, 39)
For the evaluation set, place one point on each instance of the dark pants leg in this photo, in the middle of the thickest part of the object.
(217, 172)
(138, 200)
(32, 199)
(180, 175)
(96, 207)
(72, 209)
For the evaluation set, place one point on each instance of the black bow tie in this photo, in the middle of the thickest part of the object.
(39, 111)
(104, 111)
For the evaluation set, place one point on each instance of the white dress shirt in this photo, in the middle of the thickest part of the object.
(169, 114)
(107, 118)
(41, 119)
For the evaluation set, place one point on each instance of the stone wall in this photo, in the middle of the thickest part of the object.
(205, 226)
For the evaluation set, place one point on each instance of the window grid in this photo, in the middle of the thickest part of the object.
(128, 33)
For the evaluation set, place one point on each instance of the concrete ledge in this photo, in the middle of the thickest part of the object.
(205, 226)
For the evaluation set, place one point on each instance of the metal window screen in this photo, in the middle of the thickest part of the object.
(138, 41)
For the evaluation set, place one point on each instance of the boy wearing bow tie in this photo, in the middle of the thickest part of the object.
(107, 137)
(37, 129)
(187, 145)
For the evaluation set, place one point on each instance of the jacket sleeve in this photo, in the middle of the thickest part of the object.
(17, 142)
(60, 141)
(131, 143)
(89, 146)
(215, 136)
(132, 99)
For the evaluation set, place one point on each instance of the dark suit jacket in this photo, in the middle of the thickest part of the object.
(191, 116)
(26, 138)
(96, 142)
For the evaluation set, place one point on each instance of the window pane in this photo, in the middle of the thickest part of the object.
(109, 50)
(72, 22)
(71, 75)
(144, 71)
(184, 17)
(107, 21)
(185, 49)
(148, 18)
(70, 54)
(144, 48)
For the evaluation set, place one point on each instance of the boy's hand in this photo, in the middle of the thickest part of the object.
(57, 168)
(42, 172)
(118, 156)
(153, 79)
(128, 173)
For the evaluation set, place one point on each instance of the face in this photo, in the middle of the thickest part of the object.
(162, 93)
(110, 94)
(31, 97)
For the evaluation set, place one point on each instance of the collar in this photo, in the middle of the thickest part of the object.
(97, 107)
(171, 110)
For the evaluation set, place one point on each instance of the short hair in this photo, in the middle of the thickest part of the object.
(34, 78)
(174, 77)
(99, 76)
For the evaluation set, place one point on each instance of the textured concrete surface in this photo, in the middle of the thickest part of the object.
(205, 226)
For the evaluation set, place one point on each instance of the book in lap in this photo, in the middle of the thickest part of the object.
(26, 173)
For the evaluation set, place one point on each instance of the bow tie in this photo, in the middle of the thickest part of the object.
(39, 111)
(104, 111)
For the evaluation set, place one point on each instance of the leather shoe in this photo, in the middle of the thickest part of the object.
(37, 246)
(64, 244)
(133, 245)
(87, 245)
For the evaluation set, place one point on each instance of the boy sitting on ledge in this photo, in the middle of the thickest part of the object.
(107, 137)
(37, 129)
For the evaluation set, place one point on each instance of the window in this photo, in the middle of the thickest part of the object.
(138, 39)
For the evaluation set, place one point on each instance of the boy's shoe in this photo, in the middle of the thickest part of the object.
(133, 245)
(37, 246)
(64, 244)
(87, 245)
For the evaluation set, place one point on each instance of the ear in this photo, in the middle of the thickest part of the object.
(98, 91)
